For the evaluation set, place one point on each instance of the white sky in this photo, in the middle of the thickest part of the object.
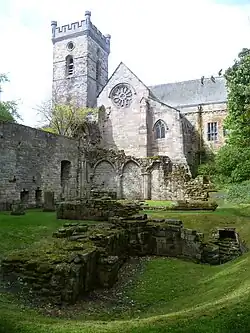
(161, 41)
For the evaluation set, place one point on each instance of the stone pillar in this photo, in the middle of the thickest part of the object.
(146, 185)
(143, 131)
(119, 186)
(82, 178)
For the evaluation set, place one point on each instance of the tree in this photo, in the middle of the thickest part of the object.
(238, 85)
(63, 114)
(63, 119)
(8, 109)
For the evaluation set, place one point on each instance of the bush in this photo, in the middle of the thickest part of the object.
(239, 193)
(229, 158)
(207, 169)
(241, 172)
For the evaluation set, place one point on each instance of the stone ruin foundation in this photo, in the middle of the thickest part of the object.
(81, 257)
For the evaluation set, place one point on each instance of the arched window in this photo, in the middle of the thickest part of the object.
(160, 129)
(69, 65)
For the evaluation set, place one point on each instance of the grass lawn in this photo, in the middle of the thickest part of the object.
(171, 296)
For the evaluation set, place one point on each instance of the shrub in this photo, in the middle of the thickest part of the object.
(241, 172)
(239, 193)
(207, 169)
(229, 157)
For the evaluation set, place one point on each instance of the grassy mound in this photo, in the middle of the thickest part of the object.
(171, 295)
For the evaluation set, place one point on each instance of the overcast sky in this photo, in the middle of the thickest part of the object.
(161, 41)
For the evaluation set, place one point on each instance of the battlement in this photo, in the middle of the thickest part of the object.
(84, 27)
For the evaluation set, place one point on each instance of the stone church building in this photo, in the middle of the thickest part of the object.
(146, 141)
(173, 119)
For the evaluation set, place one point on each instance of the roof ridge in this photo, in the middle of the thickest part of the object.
(193, 80)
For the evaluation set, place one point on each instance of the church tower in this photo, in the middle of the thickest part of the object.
(80, 62)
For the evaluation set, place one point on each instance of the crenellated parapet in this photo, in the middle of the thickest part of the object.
(84, 27)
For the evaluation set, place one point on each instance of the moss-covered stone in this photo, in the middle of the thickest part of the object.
(186, 206)
(95, 209)
(79, 257)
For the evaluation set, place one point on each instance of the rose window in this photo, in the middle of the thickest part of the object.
(121, 95)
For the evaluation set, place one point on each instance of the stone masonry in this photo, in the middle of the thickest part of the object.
(84, 257)
(30, 164)
(89, 50)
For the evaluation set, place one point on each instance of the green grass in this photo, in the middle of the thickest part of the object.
(171, 296)
(159, 203)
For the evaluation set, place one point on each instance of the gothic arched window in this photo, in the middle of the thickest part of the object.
(160, 129)
(69, 65)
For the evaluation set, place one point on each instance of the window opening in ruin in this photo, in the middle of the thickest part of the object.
(212, 131)
(160, 129)
(38, 197)
(24, 196)
(69, 65)
(65, 172)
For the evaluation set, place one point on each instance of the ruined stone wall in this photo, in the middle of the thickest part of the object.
(156, 178)
(30, 160)
(84, 257)
(168, 180)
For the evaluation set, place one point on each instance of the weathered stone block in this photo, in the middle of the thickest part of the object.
(17, 208)
(49, 202)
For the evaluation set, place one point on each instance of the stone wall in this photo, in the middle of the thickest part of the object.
(95, 209)
(156, 178)
(125, 128)
(172, 145)
(199, 117)
(30, 163)
(83, 257)
(33, 161)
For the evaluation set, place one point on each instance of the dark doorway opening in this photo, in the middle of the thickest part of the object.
(227, 234)
(24, 197)
(38, 197)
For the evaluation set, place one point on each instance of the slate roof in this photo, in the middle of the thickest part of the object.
(191, 92)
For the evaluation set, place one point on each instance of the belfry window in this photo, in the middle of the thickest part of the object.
(160, 129)
(69, 65)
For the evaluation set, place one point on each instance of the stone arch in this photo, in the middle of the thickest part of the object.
(131, 181)
(104, 178)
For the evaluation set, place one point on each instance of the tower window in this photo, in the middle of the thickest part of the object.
(69, 65)
(70, 46)
(160, 129)
(212, 131)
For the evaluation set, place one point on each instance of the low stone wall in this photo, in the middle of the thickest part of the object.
(95, 209)
(185, 206)
(82, 257)
(101, 194)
